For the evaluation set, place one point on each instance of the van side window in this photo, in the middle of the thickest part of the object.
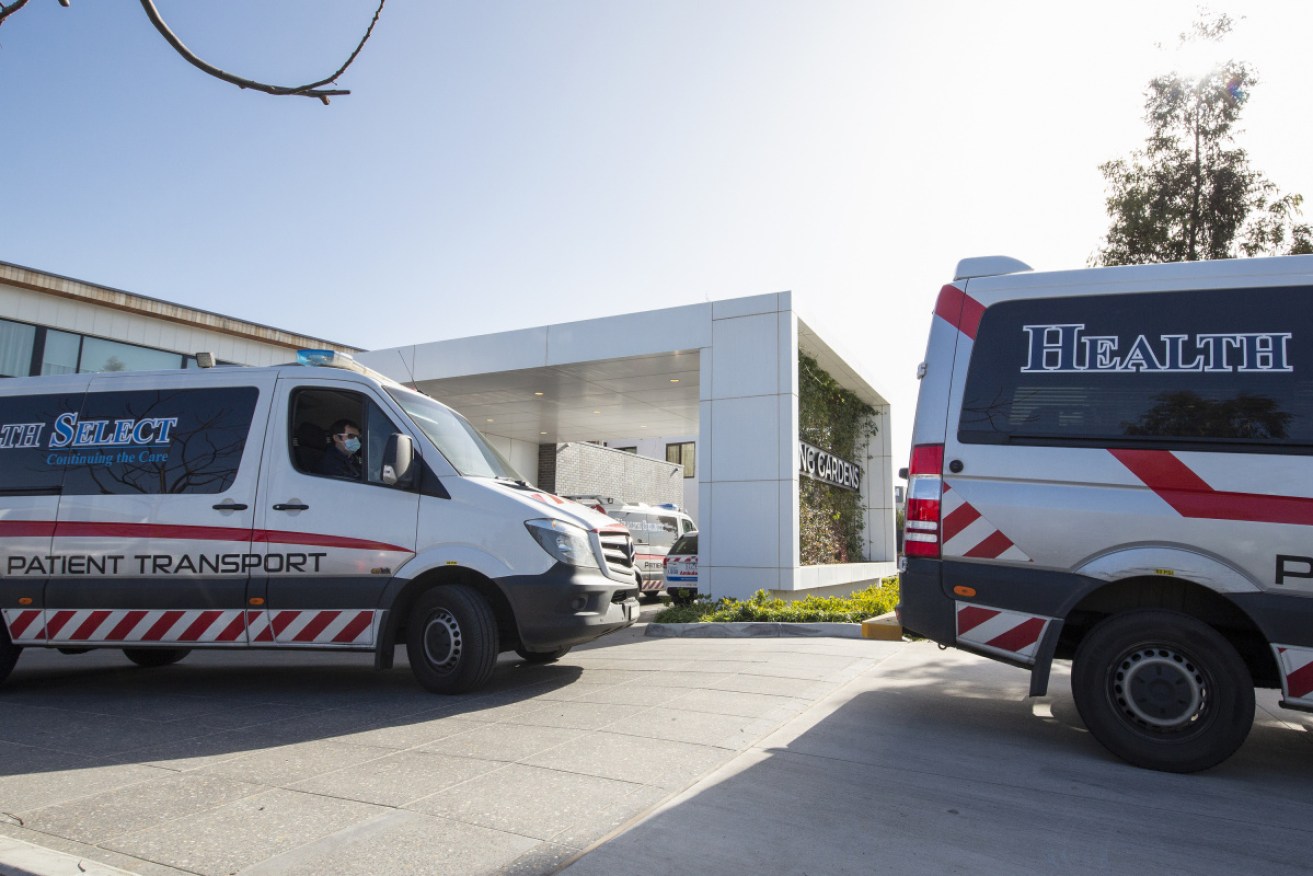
(1217, 369)
(314, 411)
(152, 441)
(27, 465)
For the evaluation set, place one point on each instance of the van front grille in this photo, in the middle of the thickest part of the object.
(618, 549)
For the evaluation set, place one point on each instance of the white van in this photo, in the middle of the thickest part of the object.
(654, 528)
(158, 512)
(1115, 466)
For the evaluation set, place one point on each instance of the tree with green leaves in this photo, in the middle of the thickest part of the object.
(1191, 193)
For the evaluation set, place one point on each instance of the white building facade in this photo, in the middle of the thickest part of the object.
(712, 388)
(717, 381)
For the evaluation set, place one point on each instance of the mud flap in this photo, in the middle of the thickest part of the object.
(1039, 672)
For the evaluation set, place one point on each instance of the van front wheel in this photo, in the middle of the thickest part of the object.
(1162, 690)
(451, 639)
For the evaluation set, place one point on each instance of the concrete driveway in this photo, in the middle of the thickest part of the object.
(635, 756)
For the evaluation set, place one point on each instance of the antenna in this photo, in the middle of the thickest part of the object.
(409, 369)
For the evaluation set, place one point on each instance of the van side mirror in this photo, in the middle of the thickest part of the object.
(398, 460)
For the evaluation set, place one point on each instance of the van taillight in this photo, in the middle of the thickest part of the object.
(924, 489)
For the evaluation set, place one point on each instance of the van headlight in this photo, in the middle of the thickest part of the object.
(566, 542)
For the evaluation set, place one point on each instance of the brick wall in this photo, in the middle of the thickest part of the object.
(589, 469)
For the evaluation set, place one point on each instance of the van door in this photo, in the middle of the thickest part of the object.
(332, 532)
(30, 483)
(154, 527)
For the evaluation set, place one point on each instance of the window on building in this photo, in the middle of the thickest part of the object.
(682, 454)
(16, 340)
(60, 353)
(633, 450)
(99, 354)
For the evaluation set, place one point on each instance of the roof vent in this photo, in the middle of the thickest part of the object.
(988, 266)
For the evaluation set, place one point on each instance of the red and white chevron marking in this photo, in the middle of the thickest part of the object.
(126, 625)
(34, 626)
(327, 627)
(1296, 673)
(1010, 633)
(966, 533)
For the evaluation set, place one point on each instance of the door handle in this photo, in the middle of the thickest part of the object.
(230, 506)
(297, 506)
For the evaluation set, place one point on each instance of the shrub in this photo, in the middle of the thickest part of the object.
(871, 602)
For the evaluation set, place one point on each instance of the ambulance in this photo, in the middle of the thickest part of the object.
(654, 529)
(160, 512)
(1114, 466)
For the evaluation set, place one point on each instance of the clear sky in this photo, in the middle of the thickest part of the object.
(508, 164)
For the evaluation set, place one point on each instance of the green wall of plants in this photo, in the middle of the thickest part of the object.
(830, 519)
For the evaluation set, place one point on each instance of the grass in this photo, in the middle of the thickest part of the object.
(874, 600)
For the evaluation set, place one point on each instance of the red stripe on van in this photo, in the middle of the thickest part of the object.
(162, 626)
(971, 616)
(1020, 637)
(234, 630)
(1190, 496)
(960, 519)
(125, 626)
(56, 623)
(200, 625)
(1299, 683)
(311, 630)
(27, 528)
(89, 529)
(90, 625)
(960, 310)
(23, 621)
(355, 628)
(991, 547)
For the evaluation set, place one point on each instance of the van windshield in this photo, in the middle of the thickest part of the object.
(463, 445)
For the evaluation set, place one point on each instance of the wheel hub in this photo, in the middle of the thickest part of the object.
(1159, 688)
(442, 641)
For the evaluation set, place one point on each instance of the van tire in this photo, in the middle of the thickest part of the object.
(451, 639)
(1162, 690)
(155, 656)
(542, 656)
(8, 652)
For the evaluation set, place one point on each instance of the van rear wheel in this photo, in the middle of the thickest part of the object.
(451, 639)
(1163, 690)
(155, 656)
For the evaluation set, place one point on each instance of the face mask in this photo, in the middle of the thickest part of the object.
(352, 444)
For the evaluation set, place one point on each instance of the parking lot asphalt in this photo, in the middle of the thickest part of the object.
(313, 763)
(636, 755)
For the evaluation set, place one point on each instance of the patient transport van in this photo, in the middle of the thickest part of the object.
(159, 512)
(1115, 466)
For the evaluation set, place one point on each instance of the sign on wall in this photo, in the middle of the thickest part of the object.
(825, 466)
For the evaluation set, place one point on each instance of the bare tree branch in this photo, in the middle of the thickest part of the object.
(6, 11)
(312, 89)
